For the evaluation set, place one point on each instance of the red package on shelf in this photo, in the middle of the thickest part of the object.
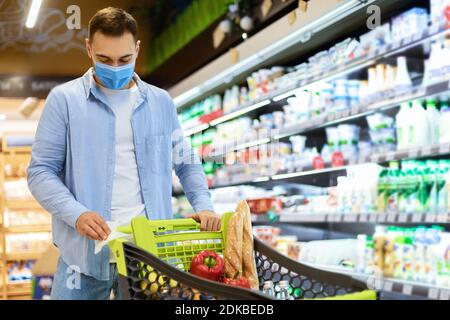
(318, 163)
(337, 159)
(207, 118)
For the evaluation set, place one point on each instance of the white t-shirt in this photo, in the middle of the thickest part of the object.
(127, 201)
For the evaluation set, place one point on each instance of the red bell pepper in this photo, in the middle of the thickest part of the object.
(238, 282)
(207, 264)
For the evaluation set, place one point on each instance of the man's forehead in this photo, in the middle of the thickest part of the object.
(100, 39)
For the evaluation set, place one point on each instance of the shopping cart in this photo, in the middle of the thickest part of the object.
(155, 266)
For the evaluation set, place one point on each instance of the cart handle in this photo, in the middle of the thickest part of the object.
(165, 225)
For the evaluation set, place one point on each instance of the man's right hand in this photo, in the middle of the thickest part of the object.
(92, 225)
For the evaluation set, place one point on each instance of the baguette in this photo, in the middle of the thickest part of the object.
(248, 256)
(233, 246)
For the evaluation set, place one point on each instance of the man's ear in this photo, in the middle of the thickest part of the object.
(138, 48)
(88, 48)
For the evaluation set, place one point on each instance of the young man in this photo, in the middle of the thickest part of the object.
(104, 151)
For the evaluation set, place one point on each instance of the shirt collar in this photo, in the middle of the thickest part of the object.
(90, 85)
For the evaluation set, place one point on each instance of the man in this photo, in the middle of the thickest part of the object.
(104, 152)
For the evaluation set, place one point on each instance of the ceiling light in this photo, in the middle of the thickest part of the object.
(33, 13)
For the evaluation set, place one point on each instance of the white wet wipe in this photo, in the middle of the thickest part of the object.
(113, 235)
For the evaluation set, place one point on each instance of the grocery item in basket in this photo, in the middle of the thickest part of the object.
(248, 251)
(233, 245)
(239, 250)
(207, 264)
(238, 282)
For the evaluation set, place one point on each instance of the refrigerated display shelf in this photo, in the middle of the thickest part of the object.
(404, 287)
(333, 73)
(413, 153)
(290, 216)
(391, 100)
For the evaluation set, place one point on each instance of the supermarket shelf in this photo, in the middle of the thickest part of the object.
(19, 288)
(401, 218)
(24, 256)
(331, 74)
(23, 204)
(414, 153)
(393, 100)
(404, 287)
(28, 228)
(294, 39)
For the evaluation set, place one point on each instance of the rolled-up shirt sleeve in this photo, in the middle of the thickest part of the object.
(47, 162)
(188, 167)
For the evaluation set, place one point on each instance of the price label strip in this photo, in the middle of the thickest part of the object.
(321, 218)
(355, 110)
(374, 217)
(390, 156)
(445, 148)
(407, 289)
(403, 218)
(430, 218)
(445, 295)
(426, 151)
(433, 293)
(392, 217)
(363, 217)
(381, 217)
(375, 158)
(413, 153)
(417, 217)
(388, 285)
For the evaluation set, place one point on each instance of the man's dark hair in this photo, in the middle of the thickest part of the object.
(112, 22)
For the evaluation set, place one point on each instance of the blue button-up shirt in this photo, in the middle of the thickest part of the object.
(73, 159)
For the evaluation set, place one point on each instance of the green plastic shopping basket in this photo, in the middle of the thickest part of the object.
(155, 266)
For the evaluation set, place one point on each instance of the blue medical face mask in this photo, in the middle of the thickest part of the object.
(114, 78)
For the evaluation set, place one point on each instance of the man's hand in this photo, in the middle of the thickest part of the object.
(209, 220)
(92, 225)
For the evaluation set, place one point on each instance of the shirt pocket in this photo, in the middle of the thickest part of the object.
(159, 150)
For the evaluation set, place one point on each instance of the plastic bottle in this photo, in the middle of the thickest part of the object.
(402, 123)
(392, 193)
(268, 288)
(441, 183)
(409, 199)
(361, 253)
(378, 248)
(408, 255)
(435, 63)
(283, 293)
(399, 243)
(382, 190)
(419, 253)
(341, 191)
(444, 122)
(369, 257)
(433, 121)
(403, 80)
(389, 252)
(418, 128)
(433, 175)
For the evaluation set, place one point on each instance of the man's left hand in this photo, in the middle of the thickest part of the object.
(209, 221)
